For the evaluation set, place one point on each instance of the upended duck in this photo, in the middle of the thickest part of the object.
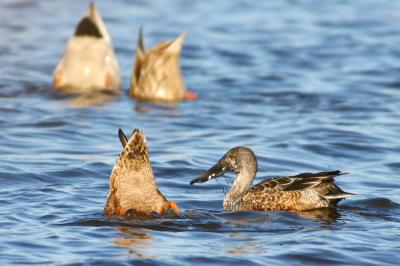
(88, 63)
(157, 75)
(132, 185)
(306, 191)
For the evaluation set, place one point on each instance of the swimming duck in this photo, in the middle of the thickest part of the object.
(132, 184)
(157, 75)
(297, 193)
(88, 63)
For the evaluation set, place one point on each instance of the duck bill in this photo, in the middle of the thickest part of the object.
(215, 171)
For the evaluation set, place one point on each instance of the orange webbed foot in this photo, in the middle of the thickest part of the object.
(57, 80)
(190, 95)
(172, 205)
(108, 81)
(122, 211)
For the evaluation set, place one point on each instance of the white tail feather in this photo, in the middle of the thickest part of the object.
(338, 196)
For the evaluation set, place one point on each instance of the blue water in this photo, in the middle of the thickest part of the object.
(308, 85)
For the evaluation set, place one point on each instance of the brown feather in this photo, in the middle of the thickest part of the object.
(292, 192)
(157, 76)
(132, 182)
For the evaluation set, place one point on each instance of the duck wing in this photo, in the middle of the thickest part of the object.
(297, 182)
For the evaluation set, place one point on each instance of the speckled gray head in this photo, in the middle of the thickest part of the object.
(236, 160)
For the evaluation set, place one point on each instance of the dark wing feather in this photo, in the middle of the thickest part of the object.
(87, 27)
(297, 182)
(308, 180)
(330, 173)
(122, 138)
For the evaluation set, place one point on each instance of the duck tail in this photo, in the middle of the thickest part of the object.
(139, 60)
(140, 42)
(333, 193)
(138, 142)
(135, 148)
(87, 27)
(338, 196)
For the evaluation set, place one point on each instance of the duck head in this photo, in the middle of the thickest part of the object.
(88, 63)
(157, 75)
(238, 160)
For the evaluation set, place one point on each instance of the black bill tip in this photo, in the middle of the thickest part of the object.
(202, 178)
(194, 181)
(215, 171)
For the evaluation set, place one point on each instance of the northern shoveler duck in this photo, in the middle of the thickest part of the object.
(88, 63)
(297, 193)
(132, 184)
(157, 75)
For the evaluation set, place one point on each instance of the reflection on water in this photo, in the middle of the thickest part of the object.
(165, 108)
(325, 214)
(88, 100)
(240, 244)
(136, 240)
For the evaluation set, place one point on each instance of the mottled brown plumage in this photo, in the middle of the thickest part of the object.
(297, 193)
(132, 184)
(157, 75)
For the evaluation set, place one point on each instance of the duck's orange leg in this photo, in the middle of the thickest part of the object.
(190, 95)
(57, 80)
(172, 205)
(109, 81)
(122, 211)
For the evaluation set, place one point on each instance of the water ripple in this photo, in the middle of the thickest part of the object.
(308, 91)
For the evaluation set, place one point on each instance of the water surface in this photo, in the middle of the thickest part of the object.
(309, 86)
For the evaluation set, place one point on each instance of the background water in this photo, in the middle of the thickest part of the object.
(308, 85)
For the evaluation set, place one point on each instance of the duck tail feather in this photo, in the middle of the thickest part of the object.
(342, 195)
(122, 138)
